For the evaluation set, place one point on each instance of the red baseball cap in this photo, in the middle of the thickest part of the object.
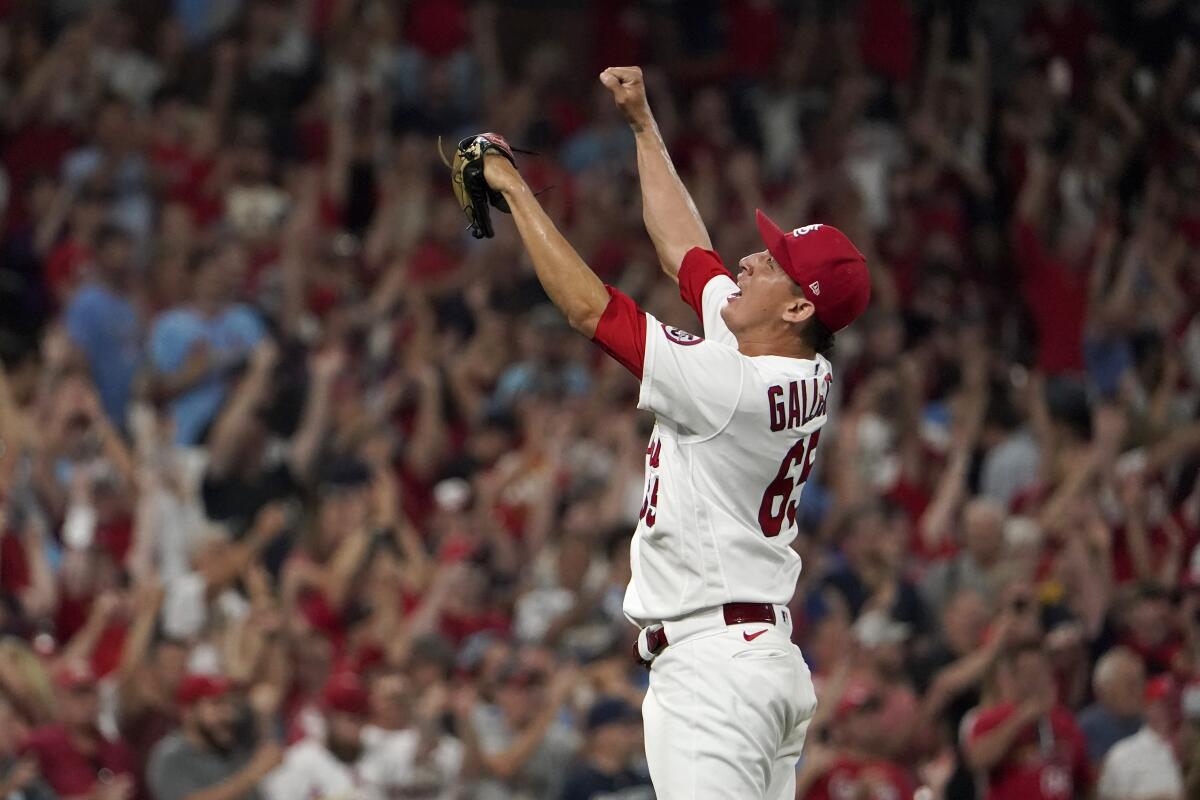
(829, 269)
(857, 696)
(1158, 687)
(201, 687)
(345, 693)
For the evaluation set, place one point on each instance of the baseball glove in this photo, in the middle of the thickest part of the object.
(466, 178)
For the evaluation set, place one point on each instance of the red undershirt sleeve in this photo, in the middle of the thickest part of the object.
(698, 267)
(622, 331)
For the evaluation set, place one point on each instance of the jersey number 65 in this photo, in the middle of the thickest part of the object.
(777, 501)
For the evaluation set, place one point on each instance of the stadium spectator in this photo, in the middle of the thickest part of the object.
(209, 752)
(342, 761)
(519, 737)
(105, 325)
(19, 777)
(978, 565)
(1144, 765)
(196, 347)
(74, 756)
(114, 164)
(1119, 681)
(1028, 745)
(853, 764)
(247, 469)
(871, 571)
(613, 746)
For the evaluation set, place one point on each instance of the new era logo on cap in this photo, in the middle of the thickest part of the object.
(831, 270)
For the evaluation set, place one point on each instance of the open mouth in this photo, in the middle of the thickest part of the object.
(734, 296)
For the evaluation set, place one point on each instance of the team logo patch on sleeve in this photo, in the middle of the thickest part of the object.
(680, 337)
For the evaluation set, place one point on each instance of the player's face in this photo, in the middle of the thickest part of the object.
(766, 297)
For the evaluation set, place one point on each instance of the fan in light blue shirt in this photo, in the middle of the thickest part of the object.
(215, 329)
(105, 326)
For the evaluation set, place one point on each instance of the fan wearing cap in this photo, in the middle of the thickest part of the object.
(853, 766)
(1144, 766)
(348, 760)
(614, 737)
(75, 758)
(518, 739)
(738, 414)
(328, 766)
(206, 758)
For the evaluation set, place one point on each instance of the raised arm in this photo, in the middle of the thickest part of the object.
(568, 281)
(233, 421)
(987, 750)
(147, 600)
(314, 423)
(671, 217)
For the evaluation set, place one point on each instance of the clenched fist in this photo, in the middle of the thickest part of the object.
(629, 91)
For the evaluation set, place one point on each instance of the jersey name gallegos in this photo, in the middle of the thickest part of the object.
(799, 404)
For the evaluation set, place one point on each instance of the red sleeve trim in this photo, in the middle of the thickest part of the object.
(699, 266)
(622, 331)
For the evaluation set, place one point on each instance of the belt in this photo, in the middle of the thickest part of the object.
(653, 639)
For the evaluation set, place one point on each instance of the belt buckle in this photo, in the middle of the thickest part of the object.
(741, 613)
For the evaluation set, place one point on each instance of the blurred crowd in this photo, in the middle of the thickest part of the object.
(304, 493)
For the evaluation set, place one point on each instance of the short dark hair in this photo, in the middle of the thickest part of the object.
(816, 334)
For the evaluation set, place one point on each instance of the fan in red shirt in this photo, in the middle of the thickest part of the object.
(1029, 746)
(853, 768)
(75, 758)
(1147, 627)
(1053, 270)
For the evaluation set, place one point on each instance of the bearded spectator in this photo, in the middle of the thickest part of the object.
(211, 753)
(351, 755)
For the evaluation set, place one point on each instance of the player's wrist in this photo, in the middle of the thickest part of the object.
(643, 125)
(502, 176)
(514, 189)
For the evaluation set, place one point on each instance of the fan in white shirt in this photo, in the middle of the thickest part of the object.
(1144, 766)
(349, 764)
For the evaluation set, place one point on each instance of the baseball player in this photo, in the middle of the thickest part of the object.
(739, 417)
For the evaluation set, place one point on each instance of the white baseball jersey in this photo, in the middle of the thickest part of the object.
(735, 440)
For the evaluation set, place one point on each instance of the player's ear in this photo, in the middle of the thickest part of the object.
(798, 309)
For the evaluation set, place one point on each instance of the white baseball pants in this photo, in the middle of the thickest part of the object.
(727, 710)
